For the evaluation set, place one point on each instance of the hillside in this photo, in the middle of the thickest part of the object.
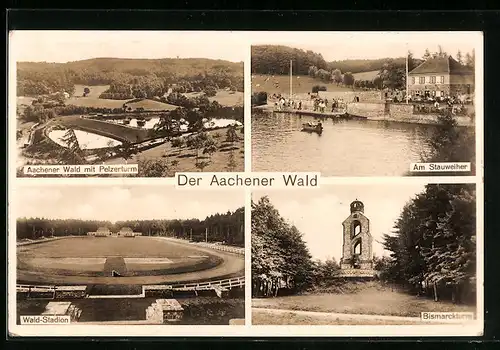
(280, 84)
(275, 59)
(370, 75)
(129, 77)
(138, 67)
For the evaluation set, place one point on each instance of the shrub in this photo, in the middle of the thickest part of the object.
(317, 88)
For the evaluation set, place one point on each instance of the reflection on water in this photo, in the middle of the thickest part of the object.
(345, 148)
(150, 124)
(86, 140)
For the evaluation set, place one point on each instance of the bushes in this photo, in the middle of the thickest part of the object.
(259, 98)
(317, 88)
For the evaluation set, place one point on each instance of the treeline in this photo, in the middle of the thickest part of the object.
(227, 227)
(433, 247)
(146, 78)
(275, 59)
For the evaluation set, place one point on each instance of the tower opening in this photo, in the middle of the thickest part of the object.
(356, 228)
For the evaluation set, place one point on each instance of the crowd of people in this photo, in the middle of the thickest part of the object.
(317, 104)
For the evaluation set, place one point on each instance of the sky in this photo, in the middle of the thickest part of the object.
(116, 203)
(65, 46)
(319, 214)
(336, 46)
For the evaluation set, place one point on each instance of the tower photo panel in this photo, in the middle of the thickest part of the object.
(365, 255)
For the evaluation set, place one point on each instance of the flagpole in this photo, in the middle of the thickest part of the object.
(407, 82)
(290, 80)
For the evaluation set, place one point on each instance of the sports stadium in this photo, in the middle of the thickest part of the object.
(124, 276)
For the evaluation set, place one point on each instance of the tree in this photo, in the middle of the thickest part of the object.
(433, 245)
(392, 75)
(348, 79)
(460, 59)
(469, 60)
(178, 142)
(152, 167)
(231, 135)
(280, 257)
(426, 55)
(210, 147)
(337, 76)
(72, 153)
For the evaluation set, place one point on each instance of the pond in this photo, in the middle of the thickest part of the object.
(345, 148)
(87, 140)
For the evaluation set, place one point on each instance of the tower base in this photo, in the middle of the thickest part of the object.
(357, 273)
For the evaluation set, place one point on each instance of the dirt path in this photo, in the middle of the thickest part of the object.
(335, 317)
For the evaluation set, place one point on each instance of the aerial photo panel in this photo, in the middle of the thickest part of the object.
(119, 104)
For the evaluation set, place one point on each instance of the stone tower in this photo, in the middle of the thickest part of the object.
(357, 247)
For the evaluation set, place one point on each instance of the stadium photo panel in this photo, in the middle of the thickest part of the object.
(130, 255)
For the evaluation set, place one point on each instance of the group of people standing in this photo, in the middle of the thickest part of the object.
(318, 105)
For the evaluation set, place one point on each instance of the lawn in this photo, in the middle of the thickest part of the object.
(228, 98)
(266, 317)
(370, 75)
(301, 84)
(373, 299)
(184, 160)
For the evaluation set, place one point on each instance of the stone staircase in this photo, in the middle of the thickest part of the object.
(164, 311)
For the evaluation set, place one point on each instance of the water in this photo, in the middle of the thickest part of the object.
(150, 124)
(87, 140)
(345, 148)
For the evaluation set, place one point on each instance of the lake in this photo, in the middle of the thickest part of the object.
(346, 147)
(209, 124)
(86, 140)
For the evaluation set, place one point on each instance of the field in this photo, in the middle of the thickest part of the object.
(140, 260)
(151, 105)
(301, 84)
(228, 98)
(269, 317)
(185, 159)
(373, 299)
(366, 75)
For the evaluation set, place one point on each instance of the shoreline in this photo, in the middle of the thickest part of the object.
(431, 119)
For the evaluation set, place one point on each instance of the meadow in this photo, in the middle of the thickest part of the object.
(371, 298)
(301, 84)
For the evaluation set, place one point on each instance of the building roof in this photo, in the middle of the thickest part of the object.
(102, 229)
(125, 229)
(441, 65)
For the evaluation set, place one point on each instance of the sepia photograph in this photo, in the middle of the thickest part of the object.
(365, 104)
(398, 254)
(136, 255)
(159, 102)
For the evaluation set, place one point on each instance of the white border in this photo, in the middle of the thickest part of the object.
(287, 38)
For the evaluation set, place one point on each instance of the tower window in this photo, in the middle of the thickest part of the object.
(355, 216)
(357, 248)
(356, 228)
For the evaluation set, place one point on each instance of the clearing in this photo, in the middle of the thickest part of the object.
(371, 299)
(370, 75)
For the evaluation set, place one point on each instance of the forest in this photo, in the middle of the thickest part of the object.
(433, 245)
(275, 59)
(221, 227)
(128, 78)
